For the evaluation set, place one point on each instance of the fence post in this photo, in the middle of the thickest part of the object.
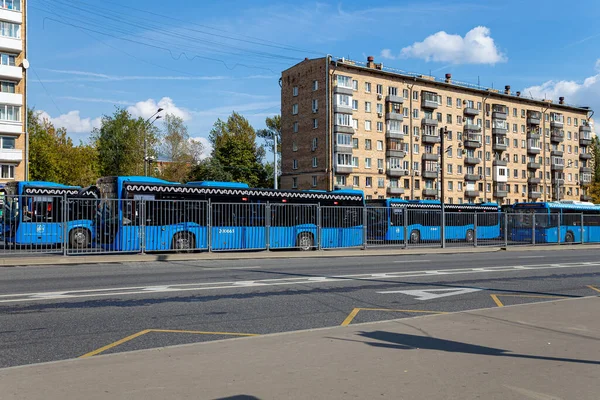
(475, 231)
(405, 226)
(533, 228)
(443, 226)
(559, 228)
(319, 233)
(505, 229)
(142, 225)
(65, 218)
(582, 229)
(268, 226)
(365, 235)
(209, 226)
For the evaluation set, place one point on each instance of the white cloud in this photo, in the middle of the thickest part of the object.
(73, 122)
(147, 108)
(477, 47)
(586, 93)
(387, 54)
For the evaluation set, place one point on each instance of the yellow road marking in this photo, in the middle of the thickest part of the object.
(594, 288)
(145, 331)
(115, 344)
(496, 300)
(355, 312)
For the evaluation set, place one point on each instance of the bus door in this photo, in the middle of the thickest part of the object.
(238, 226)
(41, 221)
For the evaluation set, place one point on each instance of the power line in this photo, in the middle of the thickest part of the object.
(46, 90)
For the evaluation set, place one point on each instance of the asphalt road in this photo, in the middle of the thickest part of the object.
(59, 312)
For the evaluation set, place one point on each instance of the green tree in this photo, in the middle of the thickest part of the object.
(269, 134)
(53, 156)
(235, 149)
(209, 170)
(594, 149)
(181, 152)
(120, 143)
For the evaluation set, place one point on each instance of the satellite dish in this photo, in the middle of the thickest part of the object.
(25, 63)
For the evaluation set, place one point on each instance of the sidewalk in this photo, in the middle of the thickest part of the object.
(537, 351)
(40, 260)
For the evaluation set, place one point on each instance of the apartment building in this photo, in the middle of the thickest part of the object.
(13, 106)
(363, 126)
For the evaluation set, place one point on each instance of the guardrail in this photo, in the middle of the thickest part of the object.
(60, 225)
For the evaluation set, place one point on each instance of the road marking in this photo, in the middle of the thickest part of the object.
(594, 288)
(430, 294)
(145, 331)
(496, 299)
(411, 261)
(532, 257)
(303, 280)
(355, 312)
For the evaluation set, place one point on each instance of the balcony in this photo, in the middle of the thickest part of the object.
(500, 163)
(430, 174)
(11, 73)
(395, 153)
(343, 148)
(534, 135)
(533, 165)
(534, 118)
(343, 129)
(585, 156)
(557, 167)
(499, 112)
(393, 134)
(431, 139)
(11, 45)
(472, 177)
(471, 193)
(11, 155)
(343, 169)
(471, 111)
(557, 137)
(395, 191)
(585, 197)
(394, 99)
(556, 121)
(342, 109)
(396, 172)
(430, 157)
(586, 178)
(585, 139)
(535, 195)
(585, 170)
(343, 90)
(533, 150)
(472, 160)
(501, 191)
(585, 128)
(430, 192)
(429, 122)
(556, 153)
(500, 146)
(499, 129)
(394, 116)
(472, 127)
(11, 127)
(14, 16)
(472, 142)
(429, 100)
(532, 180)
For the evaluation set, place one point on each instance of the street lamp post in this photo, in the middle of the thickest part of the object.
(146, 125)
(557, 180)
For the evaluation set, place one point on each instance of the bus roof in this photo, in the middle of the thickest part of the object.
(438, 203)
(45, 184)
(145, 179)
(232, 185)
(558, 206)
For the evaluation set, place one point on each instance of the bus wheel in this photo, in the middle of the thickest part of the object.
(470, 236)
(569, 238)
(79, 238)
(305, 241)
(184, 242)
(415, 237)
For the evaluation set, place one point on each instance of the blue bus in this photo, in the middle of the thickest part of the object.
(556, 222)
(161, 215)
(387, 221)
(34, 214)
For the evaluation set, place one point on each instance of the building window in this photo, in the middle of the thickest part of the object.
(448, 118)
(356, 181)
(355, 162)
(315, 105)
(379, 126)
(415, 149)
(295, 126)
(355, 105)
(340, 180)
(315, 86)
(458, 120)
(294, 146)
(295, 91)
(315, 143)
(294, 109)
(294, 183)
(355, 123)
(515, 112)
(416, 112)
(379, 108)
(449, 101)
(315, 162)
(415, 95)
(367, 144)
(8, 59)
(344, 81)
(315, 123)
(368, 87)
(380, 89)
(380, 145)
(380, 163)
(367, 125)
(367, 106)
(344, 159)
(295, 164)
(355, 85)
(515, 127)
(458, 103)
(8, 29)
(7, 87)
(368, 181)
(355, 143)
(10, 113)
(8, 142)
(314, 181)
(380, 182)
(343, 119)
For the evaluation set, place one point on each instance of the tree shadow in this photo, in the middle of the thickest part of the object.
(239, 397)
(402, 341)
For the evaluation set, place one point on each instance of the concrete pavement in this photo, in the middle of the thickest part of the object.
(544, 351)
(40, 260)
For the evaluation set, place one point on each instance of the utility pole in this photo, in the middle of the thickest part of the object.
(275, 183)
(146, 126)
(443, 134)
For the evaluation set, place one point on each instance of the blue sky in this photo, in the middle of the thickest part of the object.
(201, 60)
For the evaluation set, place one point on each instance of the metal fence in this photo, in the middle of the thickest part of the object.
(75, 226)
